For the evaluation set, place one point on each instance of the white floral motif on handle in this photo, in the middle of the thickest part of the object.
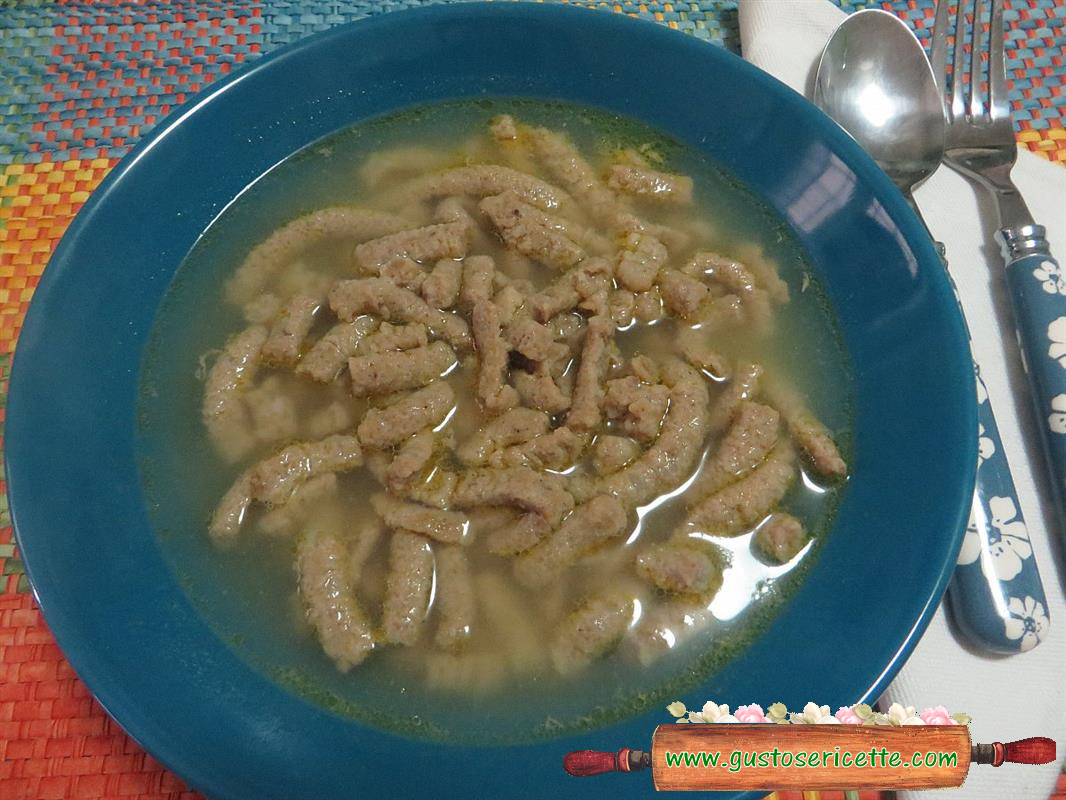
(986, 448)
(1008, 541)
(1056, 334)
(1057, 420)
(1028, 622)
(1051, 277)
(971, 543)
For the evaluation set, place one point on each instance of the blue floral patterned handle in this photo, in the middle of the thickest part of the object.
(996, 596)
(1038, 292)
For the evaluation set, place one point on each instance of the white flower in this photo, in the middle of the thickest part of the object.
(1057, 421)
(815, 715)
(713, 713)
(898, 715)
(913, 721)
(986, 448)
(1008, 540)
(1056, 333)
(1028, 622)
(1050, 275)
(971, 543)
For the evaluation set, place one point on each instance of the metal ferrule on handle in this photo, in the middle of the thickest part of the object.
(1037, 286)
(1023, 240)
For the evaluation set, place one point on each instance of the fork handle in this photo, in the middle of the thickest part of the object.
(996, 568)
(1037, 287)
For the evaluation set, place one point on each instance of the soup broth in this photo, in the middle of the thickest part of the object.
(490, 421)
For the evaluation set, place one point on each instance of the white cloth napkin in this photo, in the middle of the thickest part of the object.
(1018, 696)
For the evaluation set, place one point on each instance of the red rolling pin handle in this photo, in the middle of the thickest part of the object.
(1035, 750)
(586, 763)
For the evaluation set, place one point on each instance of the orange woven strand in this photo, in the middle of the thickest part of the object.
(37, 203)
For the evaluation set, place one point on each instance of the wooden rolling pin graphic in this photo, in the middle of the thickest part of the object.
(801, 757)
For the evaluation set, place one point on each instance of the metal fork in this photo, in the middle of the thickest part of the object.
(980, 145)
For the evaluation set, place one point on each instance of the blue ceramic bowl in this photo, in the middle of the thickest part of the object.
(121, 617)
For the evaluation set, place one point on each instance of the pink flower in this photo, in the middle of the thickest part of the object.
(847, 716)
(752, 713)
(937, 716)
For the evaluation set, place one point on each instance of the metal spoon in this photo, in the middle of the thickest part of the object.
(874, 79)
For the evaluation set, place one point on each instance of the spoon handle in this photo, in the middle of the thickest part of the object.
(996, 596)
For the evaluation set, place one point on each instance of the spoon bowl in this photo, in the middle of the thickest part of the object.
(873, 78)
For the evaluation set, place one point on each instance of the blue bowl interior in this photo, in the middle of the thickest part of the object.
(76, 499)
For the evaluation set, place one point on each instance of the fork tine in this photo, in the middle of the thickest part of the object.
(977, 101)
(998, 102)
(938, 55)
(958, 105)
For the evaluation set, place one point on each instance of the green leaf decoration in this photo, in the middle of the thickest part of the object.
(962, 719)
(863, 711)
(778, 713)
(677, 708)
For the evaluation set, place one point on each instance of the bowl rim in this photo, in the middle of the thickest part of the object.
(20, 407)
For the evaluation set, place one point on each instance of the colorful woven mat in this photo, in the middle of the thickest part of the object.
(80, 82)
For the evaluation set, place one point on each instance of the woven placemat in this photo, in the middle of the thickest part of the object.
(80, 82)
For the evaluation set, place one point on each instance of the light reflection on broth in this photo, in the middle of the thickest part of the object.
(519, 620)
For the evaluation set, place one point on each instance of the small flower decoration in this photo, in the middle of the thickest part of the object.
(847, 716)
(937, 716)
(1057, 421)
(1008, 540)
(710, 713)
(750, 714)
(898, 715)
(1056, 334)
(1028, 622)
(986, 448)
(971, 543)
(1051, 277)
(714, 713)
(815, 715)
